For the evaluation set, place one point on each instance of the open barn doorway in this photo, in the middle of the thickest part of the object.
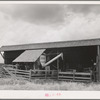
(79, 58)
(82, 60)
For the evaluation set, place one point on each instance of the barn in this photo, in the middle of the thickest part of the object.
(77, 60)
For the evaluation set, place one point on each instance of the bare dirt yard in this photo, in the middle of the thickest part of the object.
(38, 84)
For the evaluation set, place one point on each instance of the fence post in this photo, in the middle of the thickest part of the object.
(74, 74)
(45, 74)
(58, 75)
(52, 73)
(90, 75)
(30, 73)
(15, 71)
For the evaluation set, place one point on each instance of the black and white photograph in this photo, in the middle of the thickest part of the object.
(50, 47)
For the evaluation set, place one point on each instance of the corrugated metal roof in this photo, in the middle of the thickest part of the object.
(29, 56)
(75, 43)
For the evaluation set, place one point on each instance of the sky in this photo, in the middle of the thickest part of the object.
(35, 23)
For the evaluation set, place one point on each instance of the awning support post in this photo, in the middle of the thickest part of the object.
(57, 68)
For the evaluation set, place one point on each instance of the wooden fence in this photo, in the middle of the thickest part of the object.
(71, 75)
(75, 76)
(17, 74)
(30, 74)
(51, 74)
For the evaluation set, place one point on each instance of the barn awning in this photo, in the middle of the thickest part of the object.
(29, 56)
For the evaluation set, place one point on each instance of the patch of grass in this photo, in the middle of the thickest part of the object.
(40, 84)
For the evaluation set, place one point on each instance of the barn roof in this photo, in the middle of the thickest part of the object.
(75, 43)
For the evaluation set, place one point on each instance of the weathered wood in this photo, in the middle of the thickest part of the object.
(18, 72)
(58, 69)
(12, 75)
(91, 73)
(43, 70)
(37, 78)
(66, 77)
(98, 64)
(65, 73)
(30, 75)
(27, 71)
(37, 75)
(74, 74)
(87, 78)
(61, 79)
(15, 71)
(22, 73)
(77, 73)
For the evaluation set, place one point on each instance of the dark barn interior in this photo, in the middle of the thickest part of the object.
(9, 56)
(78, 58)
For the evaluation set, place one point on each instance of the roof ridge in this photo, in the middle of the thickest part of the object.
(60, 44)
(53, 42)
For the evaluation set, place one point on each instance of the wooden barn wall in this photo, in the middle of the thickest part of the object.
(9, 56)
(98, 64)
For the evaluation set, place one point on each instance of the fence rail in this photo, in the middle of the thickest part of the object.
(75, 76)
(30, 74)
(45, 74)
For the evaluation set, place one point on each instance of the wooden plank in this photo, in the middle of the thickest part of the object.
(43, 70)
(66, 77)
(37, 75)
(98, 63)
(19, 73)
(78, 73)
(74, 71)
(10, 69)
(65, 72)
(83, 78)
(43, 77)
(57, 68)
(30, 76)
(27, 71)
(75, 77)
(82, 81)
(74, 80)
(22, 73)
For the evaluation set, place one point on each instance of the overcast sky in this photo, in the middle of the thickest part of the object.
(30, 23)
